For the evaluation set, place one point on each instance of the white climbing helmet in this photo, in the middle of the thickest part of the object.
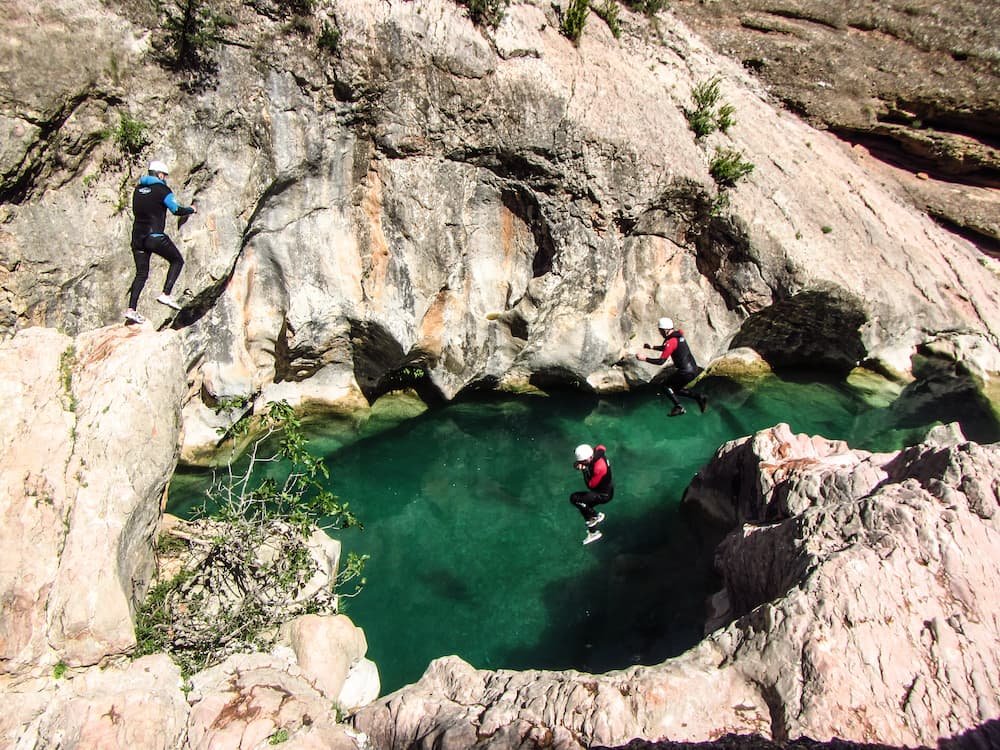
(666, 324)
(158, 166)
(584, 452)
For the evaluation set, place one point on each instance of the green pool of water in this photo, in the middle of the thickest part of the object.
(476, 551)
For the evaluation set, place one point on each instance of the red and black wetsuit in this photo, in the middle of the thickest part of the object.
(675, 347)
(600, 486)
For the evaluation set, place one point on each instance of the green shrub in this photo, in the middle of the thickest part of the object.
(191, 31)
(130, 135)
(486, 12)
(329, 38)
(728, 166)
(228, 596)
(708, 115)
(59, 670)
(609, 14)
(574, 18)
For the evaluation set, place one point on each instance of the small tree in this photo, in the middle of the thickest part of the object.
(191, 32)
(249, 566)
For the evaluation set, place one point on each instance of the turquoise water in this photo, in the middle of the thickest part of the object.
(476, 551)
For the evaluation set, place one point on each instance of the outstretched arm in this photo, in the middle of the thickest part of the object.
(176, 208)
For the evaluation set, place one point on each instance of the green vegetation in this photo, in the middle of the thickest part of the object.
(728, 166)
(59, 670)
(246, 568)
(573, 19)
(826, 229)
(191, 33)
(487, 13)
(130, 135)
(278, 737)
(648, 7)
(67, 361)
(708, 114)
(608, 12)
(329, 38)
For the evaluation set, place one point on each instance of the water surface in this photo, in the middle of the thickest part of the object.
(476, 551)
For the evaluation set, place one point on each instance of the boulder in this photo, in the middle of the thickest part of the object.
(90, 436)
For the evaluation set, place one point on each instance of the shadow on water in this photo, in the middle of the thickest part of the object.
(641, 603)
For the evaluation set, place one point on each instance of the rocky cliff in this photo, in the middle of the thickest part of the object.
(91, 431)
(468, 206)
(857, 604)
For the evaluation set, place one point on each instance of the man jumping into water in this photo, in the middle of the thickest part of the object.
(596, 468)
(675, 347)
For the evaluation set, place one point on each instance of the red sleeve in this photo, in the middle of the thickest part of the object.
(600, 469)
(668, 346)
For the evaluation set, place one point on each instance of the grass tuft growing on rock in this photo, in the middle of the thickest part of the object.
(573, 19)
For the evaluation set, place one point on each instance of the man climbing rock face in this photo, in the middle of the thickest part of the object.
(150, 201)
(675, 347)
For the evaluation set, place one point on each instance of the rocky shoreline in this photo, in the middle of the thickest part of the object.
(858, 600)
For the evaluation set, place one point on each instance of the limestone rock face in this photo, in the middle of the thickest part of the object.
(858, 604)
(90, 435)
(484, 208)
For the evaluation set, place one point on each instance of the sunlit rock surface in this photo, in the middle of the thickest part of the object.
(487, 208)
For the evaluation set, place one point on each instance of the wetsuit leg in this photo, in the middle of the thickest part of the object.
(141, 258)
(585, 502)
(165, 248)
(676, 385)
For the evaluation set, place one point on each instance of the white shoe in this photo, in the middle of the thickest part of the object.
(593, 536)
(134, 317)
(595, 520)
(169, 301)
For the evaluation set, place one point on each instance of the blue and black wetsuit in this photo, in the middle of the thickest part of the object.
(150, 202)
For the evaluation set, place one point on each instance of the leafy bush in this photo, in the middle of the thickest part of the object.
(609, 14)
(130, 135)
(329, 38)
(708, 115)
(728, 166)
(574, 18)
(191, 33)
(248, 567)
(486, 12)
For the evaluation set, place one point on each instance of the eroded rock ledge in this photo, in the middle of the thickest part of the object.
(858, 604)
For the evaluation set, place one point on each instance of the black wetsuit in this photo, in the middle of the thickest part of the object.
(150, 202)
(601, 487)
(675, 347)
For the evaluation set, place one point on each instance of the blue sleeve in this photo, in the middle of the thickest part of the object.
(171, 202)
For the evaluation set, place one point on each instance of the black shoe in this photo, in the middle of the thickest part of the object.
(702, 403)
(678, 410)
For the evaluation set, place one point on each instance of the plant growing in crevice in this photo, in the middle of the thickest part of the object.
(251, 562)
(487, 13)
(329, 38)
(191, 33)
(728, 166)
(608, 12)
(573, 19)
(130, 135)
(708, 114)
